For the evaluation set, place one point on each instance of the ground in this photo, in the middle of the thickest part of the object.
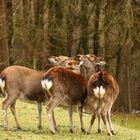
(127, 127)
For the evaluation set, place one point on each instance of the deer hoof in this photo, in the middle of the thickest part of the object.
(87, 132)
(71, 131)
(83, 130)
(53, 132)
(99, 130)
(112, 131)
(19, 128)
(56, 129)
(109, 134)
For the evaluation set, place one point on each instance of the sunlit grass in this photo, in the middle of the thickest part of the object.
(28, 118)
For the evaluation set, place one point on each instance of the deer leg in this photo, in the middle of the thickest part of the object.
(105, 121)
(55, 126)
(110, 123)
(70, 117)
(91, 123)
(50, 106)
(99, 123)
(39, 107)
(5, 104)
(13, 110)
(80, 110)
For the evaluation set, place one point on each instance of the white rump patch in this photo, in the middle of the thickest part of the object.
(43, 84)
(96, 92)
(102, 91)
(2, 85)
(46, 84)
(99, 92)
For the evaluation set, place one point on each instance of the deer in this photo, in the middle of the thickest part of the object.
(65, 88)
(102, 91)
(19, 82)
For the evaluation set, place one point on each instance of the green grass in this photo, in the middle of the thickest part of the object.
(127, 120)
(27, 116)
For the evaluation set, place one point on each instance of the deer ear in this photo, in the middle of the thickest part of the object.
(51, 60)
(61, 57)
(69, 64)
(101, 63)
(100, 66)
(92, 59)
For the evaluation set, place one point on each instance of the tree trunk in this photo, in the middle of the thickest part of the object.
(84, 26)
(96, 28)
(70, 29)
(4, 53)
(129, 89)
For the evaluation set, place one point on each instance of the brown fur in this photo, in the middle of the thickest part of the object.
(21, 83)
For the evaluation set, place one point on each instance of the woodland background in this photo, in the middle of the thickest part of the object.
(32, 30)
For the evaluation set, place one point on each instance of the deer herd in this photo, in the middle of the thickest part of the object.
(79, 81)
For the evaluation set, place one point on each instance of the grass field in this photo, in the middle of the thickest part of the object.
(127, 127)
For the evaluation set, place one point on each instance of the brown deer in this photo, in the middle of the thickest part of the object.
(67, 88)
(89, 64)
(19, 82)
(102, 91)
